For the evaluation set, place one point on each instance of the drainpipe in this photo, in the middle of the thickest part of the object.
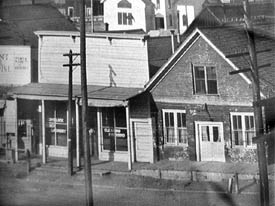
(172, 41)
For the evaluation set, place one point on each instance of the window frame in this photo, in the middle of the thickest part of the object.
(205, 80)
(123, 18)
(244, 130)
(175, 119)
(115, 127)
(71, 8)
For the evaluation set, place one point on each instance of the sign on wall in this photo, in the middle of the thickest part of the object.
(15, 64)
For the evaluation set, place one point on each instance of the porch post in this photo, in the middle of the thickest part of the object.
(99, 130)
(129, 136)
(16, 129)
(77, 133)
(43, 133)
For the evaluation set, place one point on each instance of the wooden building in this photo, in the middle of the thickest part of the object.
(118, 67)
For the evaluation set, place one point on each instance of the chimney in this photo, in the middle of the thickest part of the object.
(172, 41)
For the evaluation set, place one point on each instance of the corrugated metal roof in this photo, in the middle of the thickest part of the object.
(61, 90)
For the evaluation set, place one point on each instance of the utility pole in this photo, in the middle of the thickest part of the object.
(260, 138)
(86, 142)
(92, 16)
(264, 190)
(70, 96)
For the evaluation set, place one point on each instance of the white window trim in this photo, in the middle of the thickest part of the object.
(242, 114)
(174, 111)
(205, 79)
(70, 8)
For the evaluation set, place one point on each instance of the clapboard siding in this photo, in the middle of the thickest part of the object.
(125, 61)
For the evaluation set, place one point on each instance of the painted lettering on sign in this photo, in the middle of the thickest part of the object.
(59, 120)
(4, 67)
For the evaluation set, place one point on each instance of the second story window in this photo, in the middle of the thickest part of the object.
(125, 18)
(170, 20)
(205, 80)
(169, 4)
(158, 4)
(71, 11)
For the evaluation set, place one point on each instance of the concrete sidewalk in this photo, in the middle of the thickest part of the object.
(174, 170)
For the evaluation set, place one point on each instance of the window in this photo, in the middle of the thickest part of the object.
(56, 123)
(170, 20)
(88, 12)
(169, 4)
(175, 131)
(124, 4)
(243, 129)
(125, 18)
(205, 80)
(71, 11)
(158, 4)
(184, 20)
(114, 129)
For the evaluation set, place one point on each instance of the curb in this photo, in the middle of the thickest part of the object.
(195, 175)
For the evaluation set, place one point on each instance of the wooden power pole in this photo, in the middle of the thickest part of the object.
(86, 142)
(70, 97)
(264, 190)
(92, 16)
(260, 138)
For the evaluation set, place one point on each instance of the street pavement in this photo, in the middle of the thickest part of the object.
(45, 187)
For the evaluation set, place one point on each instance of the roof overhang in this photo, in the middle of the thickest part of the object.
(98, 96)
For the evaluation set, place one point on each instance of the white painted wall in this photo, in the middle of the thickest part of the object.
(126, 58)
(15, 64)
(185, 10)
(111, 15)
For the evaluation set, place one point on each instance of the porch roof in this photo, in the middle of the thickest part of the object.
(60, 92)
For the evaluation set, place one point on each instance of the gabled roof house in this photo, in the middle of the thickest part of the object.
(201, 112)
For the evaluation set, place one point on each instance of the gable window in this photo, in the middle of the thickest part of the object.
(205, 80)
(174, 124)
(124, 4)
(243, 129)
(125, 18)
(71, 11)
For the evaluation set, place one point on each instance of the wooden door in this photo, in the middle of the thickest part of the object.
(211, 141)
(142, 141)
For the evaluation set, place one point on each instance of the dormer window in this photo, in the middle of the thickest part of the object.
(124, 4)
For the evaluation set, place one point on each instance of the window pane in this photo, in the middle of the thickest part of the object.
(200, 87)
(211, 73)
(121, 139)
(238, 137)
(124, 18)
(170, 135)
(199, 72)
(171, 119)
(120, 117)
(212, 87)
(61, 135)
(130, 19)
(234, 122)
(182, 135)
(119, 18)
(205, 133)
(107, 117)
(248, 137)
(252, 122)
(108, 138)
(240, 122)
(216, 134)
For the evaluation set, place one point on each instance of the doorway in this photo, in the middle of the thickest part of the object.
(210, 141)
